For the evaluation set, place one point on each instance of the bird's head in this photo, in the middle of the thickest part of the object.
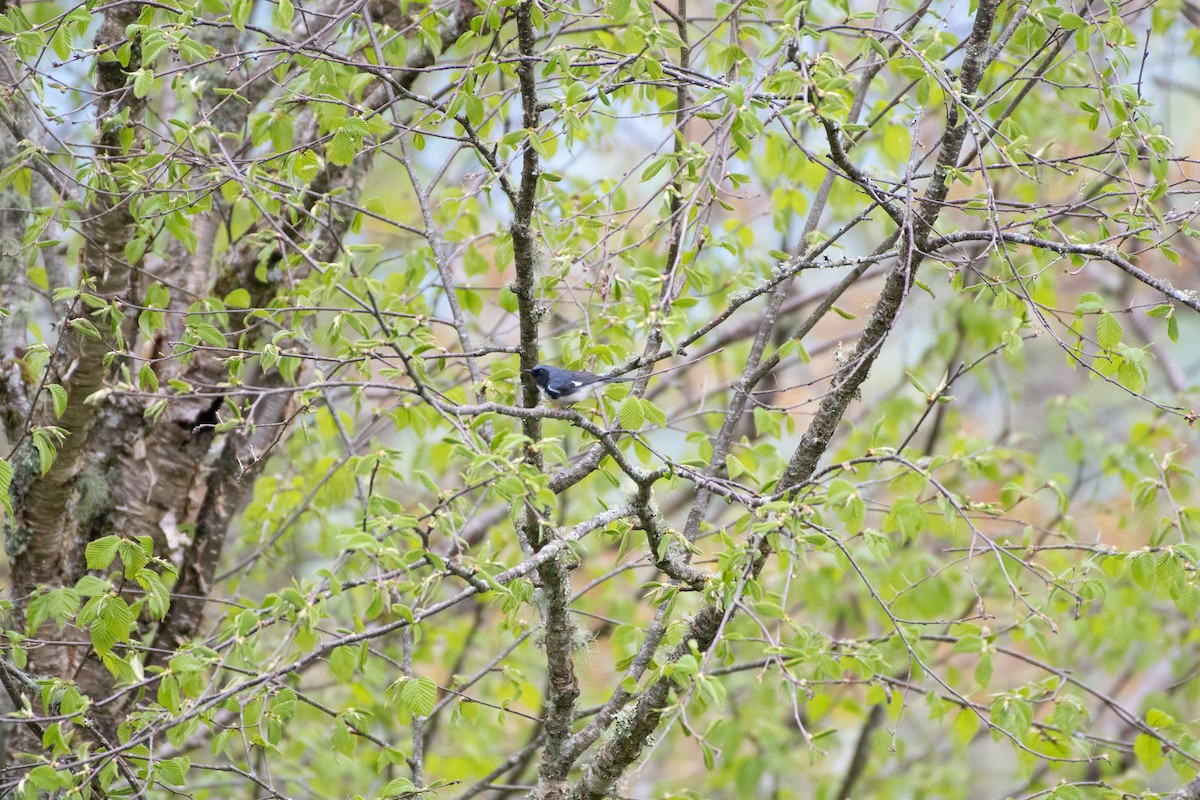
(541, 376)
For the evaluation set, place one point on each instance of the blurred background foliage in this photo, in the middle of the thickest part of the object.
(988, 588)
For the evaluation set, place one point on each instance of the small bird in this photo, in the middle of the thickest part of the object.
(566, 386)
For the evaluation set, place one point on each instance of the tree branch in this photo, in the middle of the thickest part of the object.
(1112, 255)
(614, 757)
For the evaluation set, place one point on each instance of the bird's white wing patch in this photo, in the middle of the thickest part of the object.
(577, 383)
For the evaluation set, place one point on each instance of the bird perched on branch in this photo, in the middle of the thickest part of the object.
(566, 386)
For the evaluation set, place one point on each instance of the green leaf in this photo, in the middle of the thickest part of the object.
(909, 516)
(475, 109)
(966, 724)
(1187, 599)
(1157, 718)
(1189, 519)
(1114, 566)
(472, 301)
(6, 476)
(400, 787)
(1108, 331)
(158, 598)
(1067, 792)
(173, 770)
(515, 136)
(1142, 569)
(343, 147)
(653, 413)
(143, 82)
(112, 625)
(85, 327)
(1144, 492)
(1071, 22)
(418, 696)
(342, 662)
(238, 298)
(59, 397)
(206, 332)
(239, 12)
(631, 414)
(48, 779)
(57, 604)
(147, 379)
(1149, 751)
(1012, 713)
(1089, 303)
(735, 467)
(854, 515)
(1131, 372)
(306, 165)
(878, 543)
(134, 556)
(45, 448)
(135, 249)
(99, 553)
(971, 643)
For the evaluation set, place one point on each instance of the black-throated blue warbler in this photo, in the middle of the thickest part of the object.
(566, 386)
